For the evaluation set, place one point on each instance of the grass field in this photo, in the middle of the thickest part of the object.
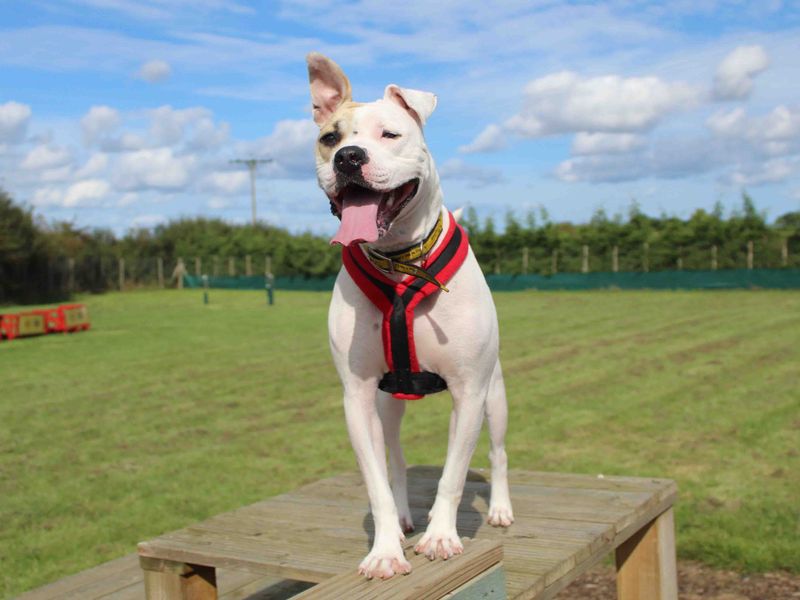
(168, 411)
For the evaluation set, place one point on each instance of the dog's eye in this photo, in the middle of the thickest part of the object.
(390, 134)
(330, 139)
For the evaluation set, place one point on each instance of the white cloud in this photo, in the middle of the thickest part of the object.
(86, 193)
(47, 196)
(98, 122)
(150, 220)
(770, 171)
(566, 102)
(155, 169)
(14, 119)
(490, 139)
(95, 165)
(290, 146)
(473, 175)
(226, 182)
(46, 156)
(734, 77)
(773, 134)
(127, 199)
(154, 71)
(168, 125)
(606, 143)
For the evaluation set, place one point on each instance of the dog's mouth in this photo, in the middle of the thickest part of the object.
(367, 213)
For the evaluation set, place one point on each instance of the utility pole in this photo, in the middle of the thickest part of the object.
(252, 163)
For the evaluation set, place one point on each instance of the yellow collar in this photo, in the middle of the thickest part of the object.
(399, 260)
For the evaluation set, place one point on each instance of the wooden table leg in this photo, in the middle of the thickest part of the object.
(646, 562)
(168, 580)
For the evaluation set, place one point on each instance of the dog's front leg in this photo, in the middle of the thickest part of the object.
(441, 538)
(366, 435)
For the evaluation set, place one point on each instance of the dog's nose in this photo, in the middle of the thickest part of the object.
(350, 159)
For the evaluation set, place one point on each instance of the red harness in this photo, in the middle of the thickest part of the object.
(397, 300)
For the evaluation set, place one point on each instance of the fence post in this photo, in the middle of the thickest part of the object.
(179, 272)
(248, 266)
(750, 255)
(216, 266)
(197, 266)
(268, 265)
(785, 253)
(231, 267)
(714, 257)
(525, 260)
(585, 261)
(646, 257)
(554, 262)
(615, 259)
(121, 274)
(160, 271)
(71, 274)
(680, 263)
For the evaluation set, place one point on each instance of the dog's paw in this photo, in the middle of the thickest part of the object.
(444, 545)
(406, 523)
(384, 564)
(500, 515)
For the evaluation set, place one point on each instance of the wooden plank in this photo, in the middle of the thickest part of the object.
(490, 585)
(428, 580)
(646, 562)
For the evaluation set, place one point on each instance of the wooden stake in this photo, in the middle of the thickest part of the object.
(160, 271)
(785, 253)
(646, 562)
(121, 274)
(615, 259)
(216, 266)
(750, 255)
(646, 257)
(585, 261)
(197, 266)
(71, 274)
(231, 267)
(554, 262)
(525, 260)
(248, 266)
(714, 257)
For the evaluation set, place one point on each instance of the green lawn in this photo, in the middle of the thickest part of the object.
(168, 411)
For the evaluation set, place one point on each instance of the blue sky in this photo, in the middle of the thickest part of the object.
(125, 113)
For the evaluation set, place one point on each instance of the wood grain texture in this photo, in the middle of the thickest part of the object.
(565, 524)
(646, 562)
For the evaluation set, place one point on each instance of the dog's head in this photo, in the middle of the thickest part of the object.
(372, 161)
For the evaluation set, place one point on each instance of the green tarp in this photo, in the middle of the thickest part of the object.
(660, 280)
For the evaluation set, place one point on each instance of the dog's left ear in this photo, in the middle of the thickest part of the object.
(419, 104)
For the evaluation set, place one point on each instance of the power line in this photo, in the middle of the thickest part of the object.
(252, 163)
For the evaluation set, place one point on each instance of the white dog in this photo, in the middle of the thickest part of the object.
(410, 314)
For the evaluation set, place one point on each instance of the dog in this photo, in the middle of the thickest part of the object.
(375, 168)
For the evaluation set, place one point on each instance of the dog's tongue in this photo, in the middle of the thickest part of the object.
(359, 217)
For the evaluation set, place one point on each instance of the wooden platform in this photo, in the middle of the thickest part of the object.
(564, 525)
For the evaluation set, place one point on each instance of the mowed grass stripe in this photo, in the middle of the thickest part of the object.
(169, 411)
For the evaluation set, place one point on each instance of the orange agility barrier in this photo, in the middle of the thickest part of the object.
(60, 319)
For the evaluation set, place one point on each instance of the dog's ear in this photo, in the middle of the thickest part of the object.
(419, 104)
(329, 86)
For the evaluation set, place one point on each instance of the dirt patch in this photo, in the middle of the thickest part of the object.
(695, 582)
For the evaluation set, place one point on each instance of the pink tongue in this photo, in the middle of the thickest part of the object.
(359, 218)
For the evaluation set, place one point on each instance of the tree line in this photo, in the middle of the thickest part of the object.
(42, 261)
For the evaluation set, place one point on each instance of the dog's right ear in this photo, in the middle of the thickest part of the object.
(329, 86)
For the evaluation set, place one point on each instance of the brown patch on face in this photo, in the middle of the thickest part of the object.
(336, 130)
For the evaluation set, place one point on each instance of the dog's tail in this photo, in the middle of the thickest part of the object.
(457, 213)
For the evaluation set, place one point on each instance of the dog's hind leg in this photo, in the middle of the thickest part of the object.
(391, 412)
(500, 513)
